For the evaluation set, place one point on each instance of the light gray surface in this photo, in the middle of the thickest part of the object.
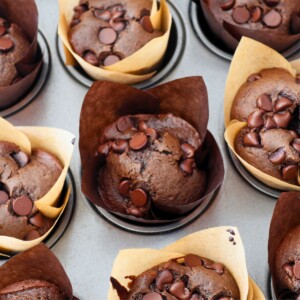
(88, 248)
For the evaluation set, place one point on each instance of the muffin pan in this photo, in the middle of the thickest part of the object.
(89, 246)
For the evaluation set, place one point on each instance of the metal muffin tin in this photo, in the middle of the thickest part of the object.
(89, 246)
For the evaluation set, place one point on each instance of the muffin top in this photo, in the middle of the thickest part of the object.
(13, 44)
(104, 32)
(149, 159)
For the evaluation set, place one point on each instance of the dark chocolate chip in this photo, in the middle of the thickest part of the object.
(152, 296)
(188, 150)
(290, 172)
(226, 4)
(107, 36)
(142, 126)
(164, 277)
(288, 269)
(91, 58)
(119, 146)
(296, 269)
(22, 206)
(146, 24)
(2, 30)
(270, 123)
(256, 14)
(219, 268)
(124, 187)
(255, 120)
(144, 12)
(283, 103)
(32, 235)
(282, 119)
(3, 197)
(241, 14)
(192, 261)
(296, 145)
(253, 77)
(187, 166)
(138, 197)
(6, 44)
(105, 148)
(134, 211)
(117, 25)
(295, 23)
(124, 123)
(138, 141)
(74, 22)
(264, 102)
(21, 158)
(152, 133)
(37, 220)
(278, 156)
(104, 15)
(271, 2)
(179, 290)
(272, 19)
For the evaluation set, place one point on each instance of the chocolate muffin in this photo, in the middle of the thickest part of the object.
(13, 44)
(150, 163)
(275, 23)
(104, 32)
(188, 278)
(269, 103)
(23, 180)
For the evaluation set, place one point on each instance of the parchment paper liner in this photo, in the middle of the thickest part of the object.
(36, 263)
(56, 141)
(285, 218)
(252, 57)
(106, 102)
(17, 11)
(132, 69)
(211, 243)
(231, 33)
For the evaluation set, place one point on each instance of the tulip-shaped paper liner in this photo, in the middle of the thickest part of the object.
(37, 263)
(57, 142)
(252, 57)
(134, 68)
(212, 243)
(17, 11)
(106, 102)
(285, 218)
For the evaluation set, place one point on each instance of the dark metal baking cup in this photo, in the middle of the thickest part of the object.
(149, 229)
(39, 82)
(271, 289)
(65, 219)
(251, 179)
(173, 55)
(204, 34)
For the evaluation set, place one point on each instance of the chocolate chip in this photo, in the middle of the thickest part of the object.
(164, 277)
(117, 25)
(296, 145)
(138, 197)
(271, 2)
(142, 126)
(192, 261)
(134, 211)
(179, 290)
(196, 297)
(138, 141)
(107, 36)
(21, 158)
(231, 231)
(253, 77)
(2, 30)
(74, 22)
(295, 23)
(296, 269)
(91, 58)
(283, 103)
(187, 166)
(270, 123)
(272, 19)
(290, 172)
(124, 187)
(264, 102)
(22, 206)
(119, 146)
(152, 133)
(219, 268)
(105, 148)
(104, 15)
(226, 4)
(255, 120)
(110, 60)
(278, 156)
(282, 119)
(32, 235)
(188, 150)
(37, 220)
(6, 44)
(146, 24)
(256, 14)
(288, 269)
(152, 296)
(241, 14)
(251, 139)
(3, 197)
(124, 123)
(118, 14)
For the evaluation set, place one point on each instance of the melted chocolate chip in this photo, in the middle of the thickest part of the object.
(119, 146)
(124, 187)
(138, 197)
(151, 132)
(105, 148)
(147, 24)
(282, 119)
(272, 19)
(264, 102)
(241, 14)
(255, 120)
(124, 123)
(3, 197)
(253, 77)
(290, 172)
(187, 166)
(142, 126)
(179, 290)
(296, 145)
(226, 4)
(278, 157)
(283, 103)
(37, 220)
(91, 58)
(21, 158)
(6, 44)
(2, 30)
(22, 206)
(188, 150)
(104, 15)
(192, 261)
(219, 268)
(138, 141)
(110, 60)
(251, 139)
(164, 277)
(270, 123)
(107, 36)
(256, 14)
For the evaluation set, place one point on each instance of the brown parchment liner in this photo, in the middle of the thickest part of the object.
(56, 141)
(132, 69)
(252, 57)
(285, 218)
(232, 33)
(211, 243)
(17, 11)
(106, 102)
(36, 263)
